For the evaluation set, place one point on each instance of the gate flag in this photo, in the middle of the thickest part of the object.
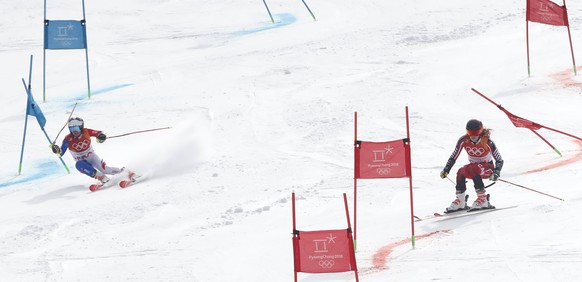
(324, 251)
(59, 35)
(520, 122)
(550, 13)
(33, 109)
(65, 35)
(546, 12)
(382, 159)
(525, 123)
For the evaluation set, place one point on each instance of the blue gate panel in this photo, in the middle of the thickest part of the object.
(65, 34)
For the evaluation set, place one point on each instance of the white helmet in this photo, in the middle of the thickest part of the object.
(76, 124)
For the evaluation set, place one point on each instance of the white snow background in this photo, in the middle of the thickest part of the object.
(259, 110)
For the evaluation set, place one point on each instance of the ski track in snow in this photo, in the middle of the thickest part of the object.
(566, 79)
(576, 158)
(380, 259)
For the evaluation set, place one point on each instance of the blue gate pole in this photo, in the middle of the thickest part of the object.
(41, 127)
(60, 158)
(265, 2)
(24, 136)
(25, 116)
(86, 52)
(44, 59)
(313, 16)
(30, 75)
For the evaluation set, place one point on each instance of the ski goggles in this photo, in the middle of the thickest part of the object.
(75, 129)
(474, 132)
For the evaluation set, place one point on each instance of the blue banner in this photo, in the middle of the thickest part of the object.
(62, 35)
(33, 109)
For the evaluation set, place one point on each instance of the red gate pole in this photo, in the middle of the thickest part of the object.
(349, 231)
(355, 179)
(527, 37)
(544, 139)
(570, 38)
(294, 236)
(409, 168)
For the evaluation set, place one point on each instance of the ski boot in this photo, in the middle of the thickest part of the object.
(102, 180)
(131, 178)
(482, 201)
(459, 204)
(101, 177)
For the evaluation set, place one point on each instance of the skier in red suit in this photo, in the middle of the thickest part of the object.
(482, 153)
(78, 142)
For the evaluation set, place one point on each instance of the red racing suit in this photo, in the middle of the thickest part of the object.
(87, 161)
(80, 147)
(481, 155)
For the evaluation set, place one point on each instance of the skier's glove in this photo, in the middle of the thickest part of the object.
(494, 176)
(444, 173)
(56, 149)
(101, 137)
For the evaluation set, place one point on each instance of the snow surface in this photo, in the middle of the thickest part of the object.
(259, 110)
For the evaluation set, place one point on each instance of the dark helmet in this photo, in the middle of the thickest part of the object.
(76, 124)
(474, 127)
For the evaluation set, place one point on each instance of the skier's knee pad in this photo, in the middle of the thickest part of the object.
(85, 167)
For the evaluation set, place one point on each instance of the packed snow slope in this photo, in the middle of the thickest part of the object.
(259, 110)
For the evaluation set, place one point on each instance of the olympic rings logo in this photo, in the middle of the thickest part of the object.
(474, 151)
(326, 263)
(81, 146)
(383, 170)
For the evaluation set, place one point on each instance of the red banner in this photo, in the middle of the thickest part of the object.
(521, 122)
(324, 251)
(546, 12)
(382, 159)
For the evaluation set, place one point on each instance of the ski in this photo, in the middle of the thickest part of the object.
(436, 214)
(458, 213)
(446, 213)
(130, 179)
(490, 207)
(416, 218)
(126, 183)
(98, 186)
(95, 187)
(133, 178)
(467, 209)
(467, 212)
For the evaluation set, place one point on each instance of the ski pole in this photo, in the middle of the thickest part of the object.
(135, 132)
(502, 180)
(451, 181)
(65, 123)
(487, 186)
